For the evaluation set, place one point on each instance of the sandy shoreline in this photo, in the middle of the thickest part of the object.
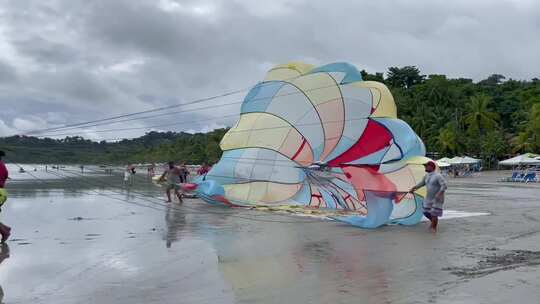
(83, 240)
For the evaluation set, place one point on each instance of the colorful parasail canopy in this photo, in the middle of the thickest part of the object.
(321, 137)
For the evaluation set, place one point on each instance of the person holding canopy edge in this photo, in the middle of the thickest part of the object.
(173, 174)
(434, 200)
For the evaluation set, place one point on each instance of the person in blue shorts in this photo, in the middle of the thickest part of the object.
(434, 200)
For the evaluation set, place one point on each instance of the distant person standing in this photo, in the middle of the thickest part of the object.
(173, 174)
(128, 174)
(434, 200)
(184, 173)
(82, 168)
(151, 170)
(5, 230)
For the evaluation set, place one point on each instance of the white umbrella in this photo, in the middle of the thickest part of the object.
(442, 164)
(523, 159)
(531, 161)
(444, 159)
(464, 160)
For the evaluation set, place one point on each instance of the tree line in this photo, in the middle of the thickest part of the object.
(152, 147)
(490, 119)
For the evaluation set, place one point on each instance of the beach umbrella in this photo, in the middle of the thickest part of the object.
(523, 159)
(463, 160)
(531, 161)
(442, 164)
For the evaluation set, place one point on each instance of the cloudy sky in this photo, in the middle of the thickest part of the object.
(67, 61)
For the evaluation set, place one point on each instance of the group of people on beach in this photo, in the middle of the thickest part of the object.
(433, 181)
(178, 175)
(184, 171)
(175, 175)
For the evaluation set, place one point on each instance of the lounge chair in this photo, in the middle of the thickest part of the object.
(530, 177)
(519, 177)
(511, 178)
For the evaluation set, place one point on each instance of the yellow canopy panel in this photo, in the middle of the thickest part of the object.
(383, 101)
(288, 71)
(261, 192)
(263, 130)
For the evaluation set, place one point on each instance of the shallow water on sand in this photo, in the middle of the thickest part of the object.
(92, 239)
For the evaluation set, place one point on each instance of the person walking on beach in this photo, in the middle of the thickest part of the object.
(151, 170)
(173, 174)
(5, 230)
(433, 202)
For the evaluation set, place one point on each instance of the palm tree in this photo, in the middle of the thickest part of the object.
(529, 138)
(448, 138)
(479, 118)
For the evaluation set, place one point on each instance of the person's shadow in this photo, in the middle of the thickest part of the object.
(4, 254)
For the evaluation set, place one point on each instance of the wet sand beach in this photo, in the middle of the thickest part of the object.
(91, 239)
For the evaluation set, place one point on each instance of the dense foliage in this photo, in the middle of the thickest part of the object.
(489, 119)
(152, 147)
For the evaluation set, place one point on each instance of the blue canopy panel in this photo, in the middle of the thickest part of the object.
(379, 211)
(351, 73)
(346, 187)
(328, 198)
(303, 196)
(404, 137)
(337, 197)
(223, 171)
(208, 189)
(408, 211)
(260, 96)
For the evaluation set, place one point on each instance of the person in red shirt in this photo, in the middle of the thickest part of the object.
(5, 230)
(203, 169)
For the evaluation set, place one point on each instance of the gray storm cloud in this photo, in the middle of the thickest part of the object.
(86, 60)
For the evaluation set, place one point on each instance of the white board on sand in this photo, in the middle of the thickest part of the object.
(450, 214)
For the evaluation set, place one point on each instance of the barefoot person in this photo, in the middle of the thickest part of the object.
(433, 202)
(173, 181)
(5, 230)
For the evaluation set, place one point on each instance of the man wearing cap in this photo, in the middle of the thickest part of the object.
(433, 202)
(5, 230)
